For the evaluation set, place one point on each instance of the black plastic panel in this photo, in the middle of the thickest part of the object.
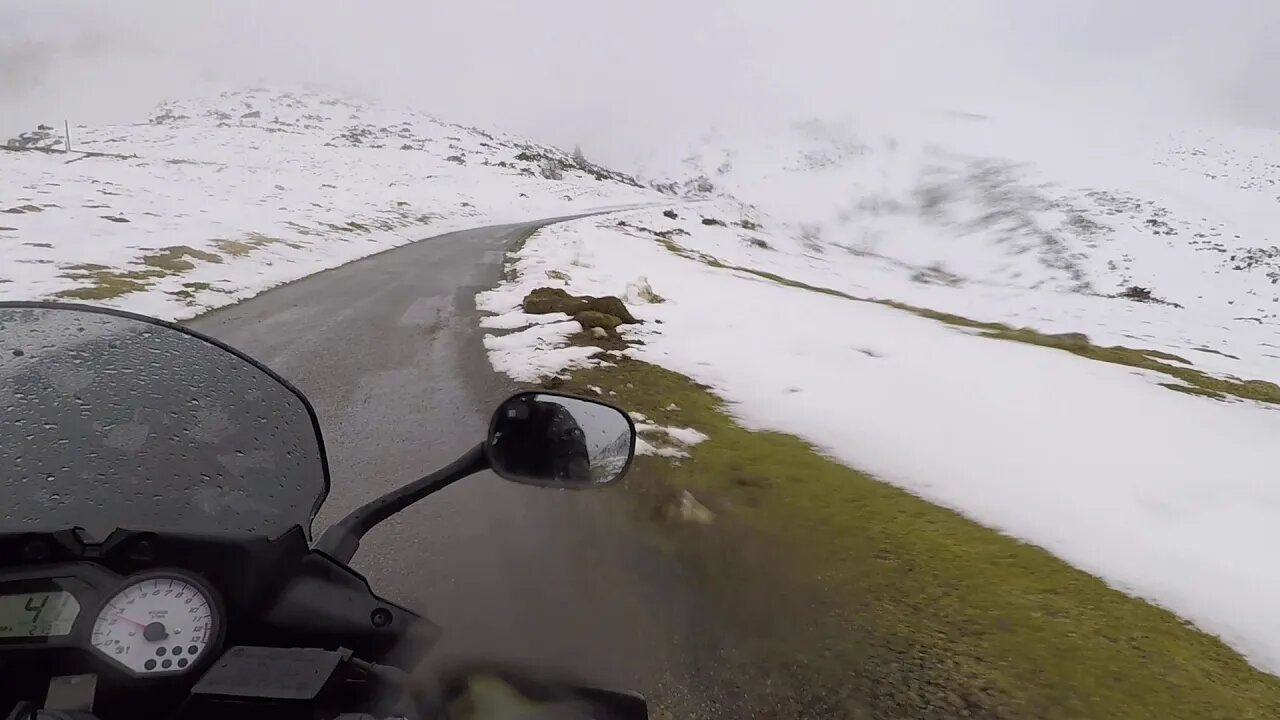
(253, 673)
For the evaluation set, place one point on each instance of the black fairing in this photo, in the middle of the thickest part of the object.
(328, 605)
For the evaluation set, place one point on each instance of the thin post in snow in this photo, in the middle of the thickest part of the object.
(66, 127)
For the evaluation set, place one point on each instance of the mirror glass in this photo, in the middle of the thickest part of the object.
(548, 439)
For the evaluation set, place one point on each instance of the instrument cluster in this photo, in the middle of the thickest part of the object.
(156, 623)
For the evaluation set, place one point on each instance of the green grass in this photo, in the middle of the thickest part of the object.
(1196, 381)
(103, 283)
(235, 248)
(851, 598)
(178, 259)
(301, 229)
(99, 282)
(191, 289)
(250, 243)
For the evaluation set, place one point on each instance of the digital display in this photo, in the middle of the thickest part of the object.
(38, 614)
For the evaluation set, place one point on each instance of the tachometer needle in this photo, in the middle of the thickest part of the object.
(135, 623)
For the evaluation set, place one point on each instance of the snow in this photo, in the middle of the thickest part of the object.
(1163, 495)
(232, 194)
(537, 351)
(670, 442)
(685, 436)
(1015, 220)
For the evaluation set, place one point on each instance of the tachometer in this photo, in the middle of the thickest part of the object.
(159, 623)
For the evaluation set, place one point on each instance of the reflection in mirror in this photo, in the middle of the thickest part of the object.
(548, 439)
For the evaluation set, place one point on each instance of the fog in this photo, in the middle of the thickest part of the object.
(616, 75)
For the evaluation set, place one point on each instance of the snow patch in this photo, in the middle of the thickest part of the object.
(537, 352)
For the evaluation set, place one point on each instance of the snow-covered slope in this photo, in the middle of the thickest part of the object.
(1023, 221)
(1165, 496)
(215, 199)
(763, 283)
(1016, 203)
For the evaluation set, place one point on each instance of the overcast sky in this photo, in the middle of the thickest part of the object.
(606, 72)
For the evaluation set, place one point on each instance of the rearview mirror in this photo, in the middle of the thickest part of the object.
(554, 440)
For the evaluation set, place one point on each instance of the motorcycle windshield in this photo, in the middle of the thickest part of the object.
(109, 421)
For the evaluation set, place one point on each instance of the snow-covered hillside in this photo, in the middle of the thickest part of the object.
(215, 199)
(1026, 222)
(1164, 495)
(764, 291)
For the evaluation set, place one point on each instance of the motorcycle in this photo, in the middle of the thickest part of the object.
(157, 490)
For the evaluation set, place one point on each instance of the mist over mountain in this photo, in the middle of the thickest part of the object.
(617, 77)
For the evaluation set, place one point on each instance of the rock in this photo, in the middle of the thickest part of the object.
(251, 115)
(670, 214)
(639, 291)
(550, 300)
(43, 127)
(556, 300)
(593, 320)
(610, 305)
(406, 146)
(1133, 292)
(713, 221)
(686, 508)
(550, 170)
(456, 159)
(1144, 295)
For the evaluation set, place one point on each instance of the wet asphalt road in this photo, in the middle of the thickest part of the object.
(389, 352)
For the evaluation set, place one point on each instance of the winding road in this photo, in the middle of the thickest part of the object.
(389, 351)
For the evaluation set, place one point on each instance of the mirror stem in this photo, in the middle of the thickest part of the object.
(341, 541)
